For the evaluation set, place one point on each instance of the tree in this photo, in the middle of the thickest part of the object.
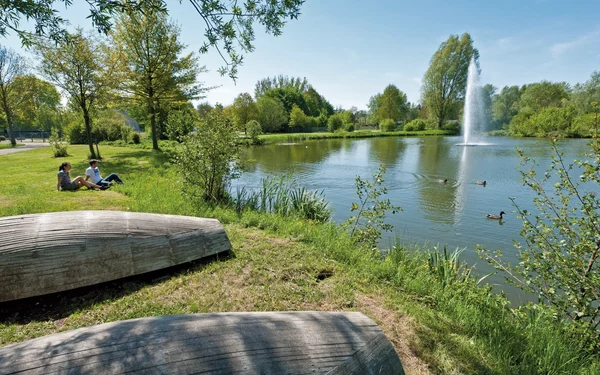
(445, 81)
(487, 92)
(11, 67)
(288, 96)
(207, 158)
(587, 93)
(82, 69)
(280, 82)
(229, 25)
(316, 103)
(543, 95)
(39, 102)
(298, 118)
(154, 74)
(392, 104)
(504, 106)
(271, 113)
(244, 110)
(373, 106)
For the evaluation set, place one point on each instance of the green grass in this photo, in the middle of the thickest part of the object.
(4, 145)
(438, 323)
(297, 137)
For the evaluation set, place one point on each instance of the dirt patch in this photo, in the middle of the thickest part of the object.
(399, 330)
(4, 202)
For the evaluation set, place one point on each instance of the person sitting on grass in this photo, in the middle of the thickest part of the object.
(65, 183)
(93, 173)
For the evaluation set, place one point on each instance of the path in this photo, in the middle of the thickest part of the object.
(28, 146)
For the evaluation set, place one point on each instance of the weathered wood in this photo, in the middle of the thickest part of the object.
(226, 343)
(53, 252)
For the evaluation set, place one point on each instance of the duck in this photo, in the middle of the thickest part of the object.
(443, 181)
(496, 217)
(483, 183)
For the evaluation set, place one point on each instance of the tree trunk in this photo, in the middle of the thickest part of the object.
(88, 130)
(153, 123)
(9, 124)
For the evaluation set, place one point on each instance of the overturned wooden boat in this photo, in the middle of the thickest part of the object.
(225, 343)
(54, 252)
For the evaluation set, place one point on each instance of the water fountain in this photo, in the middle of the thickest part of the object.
(474, 111)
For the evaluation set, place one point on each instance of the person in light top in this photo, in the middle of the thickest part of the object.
(65, 183)
(93, 174)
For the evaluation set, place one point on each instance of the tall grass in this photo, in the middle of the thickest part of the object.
(282, 196)
(299, 137)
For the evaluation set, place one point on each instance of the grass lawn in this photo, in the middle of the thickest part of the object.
(278, 264)
(4, 145)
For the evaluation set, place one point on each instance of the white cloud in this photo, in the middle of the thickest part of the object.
(559, 49)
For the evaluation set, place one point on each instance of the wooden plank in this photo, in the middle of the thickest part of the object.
(53, 252)
(226, 343)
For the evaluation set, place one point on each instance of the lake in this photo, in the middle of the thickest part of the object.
(452, 214)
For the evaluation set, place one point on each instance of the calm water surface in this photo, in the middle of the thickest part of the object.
(453, 214)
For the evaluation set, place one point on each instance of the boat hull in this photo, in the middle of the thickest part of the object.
(53, 252)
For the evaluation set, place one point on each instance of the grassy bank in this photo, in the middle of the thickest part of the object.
(438, 323)
(297, 137)
(4, 145)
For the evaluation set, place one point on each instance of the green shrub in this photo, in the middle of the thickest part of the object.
(110, 125)
(452, 125)
(179, 124)
(254, 130)
(415, 125)
(2, 138)
(58, 145)
(335, 122)
(387, 125)
(312, 122)
(136, 138)
(349, 127)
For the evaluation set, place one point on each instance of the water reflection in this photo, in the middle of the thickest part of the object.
(387, 150)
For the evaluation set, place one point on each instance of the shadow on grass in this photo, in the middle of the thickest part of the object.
(60, 305)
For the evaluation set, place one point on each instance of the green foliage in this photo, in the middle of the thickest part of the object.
(418, 124)
(12, 66)
(271, 114)
(312, 122)
(179, 124)
(392, 104)
(160, 73)
(58, 145)
(559, 260)
(110, 126)
(366, 227)
(447, 268)
(335, 122)
(548, 121)
(207, 159)
(2, 138)
(282, 196)
(280, 82)
(289, 97)
(445, 81)
(136, 138)
(244, 110)
(298, 118)
(387, 125)
(452, 125)
(538, 96)
(254, 130)
(505, 106)
(349, 127)
(228, 26)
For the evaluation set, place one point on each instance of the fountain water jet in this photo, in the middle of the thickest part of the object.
(472, 102)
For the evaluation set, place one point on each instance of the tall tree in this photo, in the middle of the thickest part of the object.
(11, 67)
(154, 72)
(543, 95)
(38, 104)
(373, 106)
(392, 104)
(272, 114)
(584, 95)
(229, 26)
(244, 110)
(280, 82)
(445, 81)
(504, 106)
(82, 69)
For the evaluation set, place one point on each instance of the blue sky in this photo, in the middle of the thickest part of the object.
(350, 49)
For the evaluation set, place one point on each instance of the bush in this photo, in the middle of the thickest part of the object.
(416, 125)
(254, 130)
(335, 122)
(136, 138)
(2, 138)
(179, 124)
(58, 145)
(110, 125)
(312, 122)
(452, 125)
(387, 125)
(349, 127)
(207, 159)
